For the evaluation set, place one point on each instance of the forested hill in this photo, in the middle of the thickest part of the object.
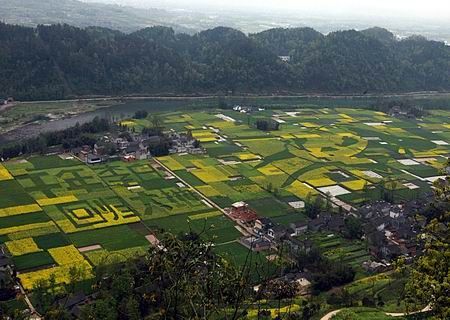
(60, 61)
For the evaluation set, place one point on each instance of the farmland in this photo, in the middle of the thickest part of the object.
(56, 211)
(346, 153)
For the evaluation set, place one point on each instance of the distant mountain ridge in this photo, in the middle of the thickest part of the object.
(73, 12)
(61, 61)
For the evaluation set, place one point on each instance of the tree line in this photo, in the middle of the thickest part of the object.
(72, 137)
(61, 61)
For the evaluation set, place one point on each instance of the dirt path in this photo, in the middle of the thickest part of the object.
(3, 107)
(34, 314)
(330, 315)
(398, 314)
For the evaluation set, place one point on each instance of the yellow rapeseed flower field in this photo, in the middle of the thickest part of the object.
(270, 170)
(22, 246)
(171, 163)
(128, 123)
(26, 227)
(208, 191)
(66, 255)
(4, 174)
(61, 274)
(13, 211)
(247, 156)
(80, 213)
(355, 185)
(210, 174)
(57, 200)
(300, 190)
(320, 182)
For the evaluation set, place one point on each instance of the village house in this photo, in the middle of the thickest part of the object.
(390, 238)
(285, 58)
(93, 159)
(121, 143)
(243, 214)
(136, 150)
(247, 109)
(73, 303)
(298, 227)
(184, 143)
(6, 264)
(7, 274)
(276, 233)
(302, 281)
(374, 209)
(396, 111)
(8, 100)
(255, 243)
(328, 222)
(299, 245)
(375, 267)
(262, 225)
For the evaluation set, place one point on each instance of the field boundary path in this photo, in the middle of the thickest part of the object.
(205, 198)
(212, 203)
(34, 315)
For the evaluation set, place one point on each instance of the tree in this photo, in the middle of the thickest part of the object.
(429, 282)
(352, 228)
(157, 60)
(267, 125)
(185, 280)
(345, 315)
(44, 299)
(313, 208)
(156, 122)
(140, 114)
(222, 102)
(104, 308)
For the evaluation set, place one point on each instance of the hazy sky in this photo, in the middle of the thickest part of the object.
(428, 9)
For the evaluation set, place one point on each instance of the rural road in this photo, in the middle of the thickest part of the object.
(213, 204)
(208, 96)
(394, 314)
(330, 315)
(209, 201)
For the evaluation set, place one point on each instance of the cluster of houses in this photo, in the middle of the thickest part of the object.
(135, 147)
(8, 100)
(184, 143)
(247, 109)
(391, 229)
(8, 287)
(108, 148)
(405, 112)
(263, 233)
(285, 58)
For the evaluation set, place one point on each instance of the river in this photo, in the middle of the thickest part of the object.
(117, 111)
(129, 107)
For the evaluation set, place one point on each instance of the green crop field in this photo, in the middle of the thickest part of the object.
(56, 211)
(344, 152)
(51, 206)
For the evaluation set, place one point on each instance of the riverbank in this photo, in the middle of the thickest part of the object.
(27, 119)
